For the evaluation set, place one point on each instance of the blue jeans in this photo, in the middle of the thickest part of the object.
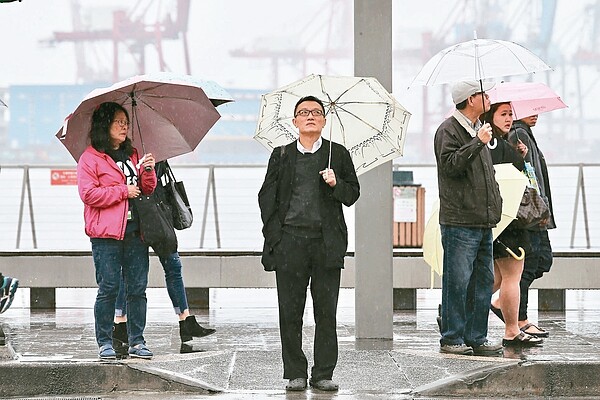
(109, 256)
(537, 262)
(467, 283)
(172, 267)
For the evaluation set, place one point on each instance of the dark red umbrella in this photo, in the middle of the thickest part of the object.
(169, 114)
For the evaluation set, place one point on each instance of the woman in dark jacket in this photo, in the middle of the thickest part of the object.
(507, 267)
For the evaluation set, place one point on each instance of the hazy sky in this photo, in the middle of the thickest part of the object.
(216, 27)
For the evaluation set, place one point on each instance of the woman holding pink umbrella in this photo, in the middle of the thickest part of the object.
(508, 267)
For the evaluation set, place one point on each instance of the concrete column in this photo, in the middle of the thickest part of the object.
(198, 297)
(42, 298)
(552, 300)
(374, 209)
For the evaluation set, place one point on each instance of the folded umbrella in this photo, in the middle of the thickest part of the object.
(512, 184)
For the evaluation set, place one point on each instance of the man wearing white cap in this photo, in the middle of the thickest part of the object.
(470, 206)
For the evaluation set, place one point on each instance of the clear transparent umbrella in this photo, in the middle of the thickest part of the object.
(478, 59)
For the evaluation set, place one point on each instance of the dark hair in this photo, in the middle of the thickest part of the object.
(100, 130)
(462, 105)
(488, 116)
(309, 98)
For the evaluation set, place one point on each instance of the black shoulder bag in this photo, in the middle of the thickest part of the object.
(178, 201)
(156, 227)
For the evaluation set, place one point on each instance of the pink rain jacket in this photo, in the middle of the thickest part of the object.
(103, 191)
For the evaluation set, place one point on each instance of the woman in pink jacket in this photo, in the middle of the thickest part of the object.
(109, 177)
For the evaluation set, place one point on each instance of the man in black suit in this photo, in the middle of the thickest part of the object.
(306, 239)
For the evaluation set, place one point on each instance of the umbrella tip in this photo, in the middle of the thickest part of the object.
(475, 34)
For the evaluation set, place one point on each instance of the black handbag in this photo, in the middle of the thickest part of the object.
(533, 209)
(178, 201)
(155, 224)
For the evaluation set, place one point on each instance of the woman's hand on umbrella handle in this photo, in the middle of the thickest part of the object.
(328, 176)
(149, 162)
(133, 191)
(521, 148)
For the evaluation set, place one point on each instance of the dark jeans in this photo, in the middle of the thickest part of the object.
(537, 262)
(175, 287)
(467, 283)
(300, 261)
(109, 256)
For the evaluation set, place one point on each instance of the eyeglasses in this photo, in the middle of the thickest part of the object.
(122, 123)
(315, 113)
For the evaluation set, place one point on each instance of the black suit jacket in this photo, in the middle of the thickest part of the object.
(275, 193)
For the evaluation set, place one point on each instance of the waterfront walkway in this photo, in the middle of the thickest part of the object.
(242, 360)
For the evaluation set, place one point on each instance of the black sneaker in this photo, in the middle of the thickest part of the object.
(487, 348)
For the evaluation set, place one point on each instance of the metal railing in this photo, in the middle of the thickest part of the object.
(38, 213)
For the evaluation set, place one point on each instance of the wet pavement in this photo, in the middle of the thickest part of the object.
(243, 361)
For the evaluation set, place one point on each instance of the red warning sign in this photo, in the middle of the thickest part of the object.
(63, 177)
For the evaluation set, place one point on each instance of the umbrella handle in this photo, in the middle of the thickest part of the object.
(516, 257)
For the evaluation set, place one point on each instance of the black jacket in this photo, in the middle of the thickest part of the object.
(469, 194)
(521, 131)
(275, 193)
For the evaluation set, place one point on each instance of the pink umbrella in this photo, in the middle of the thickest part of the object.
(527, 98)
(169, 114)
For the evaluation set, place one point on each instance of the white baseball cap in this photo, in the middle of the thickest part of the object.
(462, 90)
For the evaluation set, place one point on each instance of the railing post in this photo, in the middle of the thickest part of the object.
(580, 188)
(210, 186)
(26, 185)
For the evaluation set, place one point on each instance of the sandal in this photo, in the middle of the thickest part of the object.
(522, 340)
(541, 334)
(498, 312)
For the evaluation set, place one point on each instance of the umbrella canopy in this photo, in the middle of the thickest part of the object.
(478, 59)
(170, 114)
(433, 252)
(361, 115)
(526, 98)
(512, 184)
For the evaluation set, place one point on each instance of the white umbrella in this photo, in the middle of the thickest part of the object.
(361, 115)
(478, 59)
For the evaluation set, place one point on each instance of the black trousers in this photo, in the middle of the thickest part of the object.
(300, 262)
(537, 262)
